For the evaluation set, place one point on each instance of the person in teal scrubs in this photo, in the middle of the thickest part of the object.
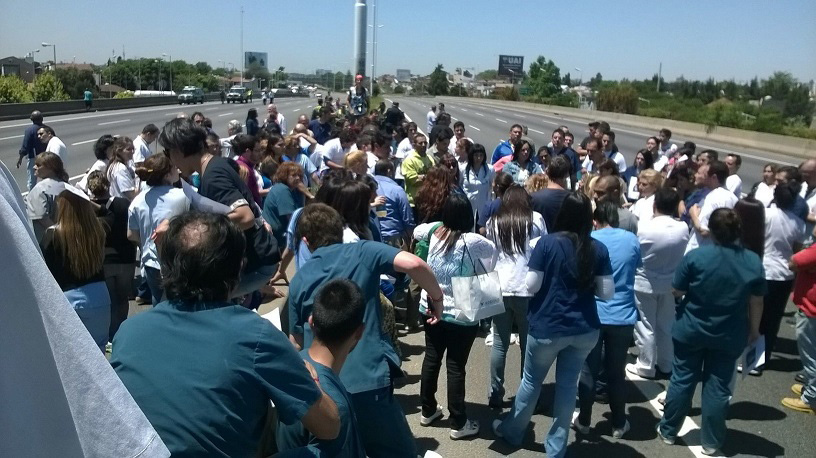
(204, 370)
(720, 289)
(367, 374)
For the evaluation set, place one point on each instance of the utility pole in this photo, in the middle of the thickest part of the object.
(659, 72)
(373, 47)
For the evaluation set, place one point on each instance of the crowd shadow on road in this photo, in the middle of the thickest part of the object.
(747, 410)
(738, 444)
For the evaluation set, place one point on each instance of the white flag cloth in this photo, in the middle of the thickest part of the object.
(59, 396)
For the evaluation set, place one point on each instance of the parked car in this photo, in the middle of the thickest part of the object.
(191, 94)
(238, 94)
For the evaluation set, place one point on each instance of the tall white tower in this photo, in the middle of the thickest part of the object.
(360, 26)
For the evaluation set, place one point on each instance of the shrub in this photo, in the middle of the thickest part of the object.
(47, 88)
(621, 98)
(124, 95)
(13, 90)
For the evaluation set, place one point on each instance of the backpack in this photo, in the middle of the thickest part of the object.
(423, 246)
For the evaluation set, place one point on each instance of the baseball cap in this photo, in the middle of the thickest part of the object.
(359, 77)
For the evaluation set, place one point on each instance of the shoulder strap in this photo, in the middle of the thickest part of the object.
(431, 233)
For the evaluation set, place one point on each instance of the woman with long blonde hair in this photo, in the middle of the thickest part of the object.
(74, 251)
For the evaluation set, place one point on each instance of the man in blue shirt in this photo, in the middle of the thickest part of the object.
(367, 374)
(398, 222)
(32, 146)
(558, 148)
(337, 325)
(618, 316)
(202, 369)
(505, 148)
(322, 127)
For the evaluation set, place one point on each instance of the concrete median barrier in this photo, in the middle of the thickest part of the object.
(801, 148)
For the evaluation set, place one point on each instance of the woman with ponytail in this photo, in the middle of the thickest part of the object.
(160, 202)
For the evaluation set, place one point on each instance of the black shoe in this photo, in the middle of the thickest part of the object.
(800, 378)
(602, 398)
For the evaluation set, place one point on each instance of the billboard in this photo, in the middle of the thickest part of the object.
(512, 66)
(259, 57)
(403, 74)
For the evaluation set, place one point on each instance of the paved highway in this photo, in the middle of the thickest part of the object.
(758, 425)
(80, 131)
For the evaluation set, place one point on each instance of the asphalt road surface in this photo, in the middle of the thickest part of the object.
(758, 424)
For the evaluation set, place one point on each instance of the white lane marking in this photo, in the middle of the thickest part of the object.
(83, 142)
(479, 114)
(501, 120)
(225, 114)
(296, 110)
(454, 118)
(113, 122)
(9, 138)
(688, 424)
(104, 114)
(498, 111)
(550, 122)
(474, 127)
(536, 131)
(463, 109)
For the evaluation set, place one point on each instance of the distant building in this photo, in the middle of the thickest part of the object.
(323, 71)
(403, 74)
(23, 68)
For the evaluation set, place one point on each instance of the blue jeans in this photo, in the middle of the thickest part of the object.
(806, 340)
(515, 311)
(609, 353)
(714, 366)
(32, 179)
(382, 422)
(569, 354)
(253, 281)
(153, 278)
(91, 303)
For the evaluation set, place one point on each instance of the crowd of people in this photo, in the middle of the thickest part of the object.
(591, 252)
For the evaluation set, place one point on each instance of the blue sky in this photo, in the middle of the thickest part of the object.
(625, 38)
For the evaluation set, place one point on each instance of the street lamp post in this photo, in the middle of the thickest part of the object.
(374, 26)
(171, 69)
(158, 80)
(581, 73)
(44, 45)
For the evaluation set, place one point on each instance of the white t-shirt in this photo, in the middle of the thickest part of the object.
(783, 230)
(56, 146)
(122, 179)
(477, 184)
(226, 146)
(431, 118)
(718, 198)
(632, 188)
(663, 240)
(100, 165)
(810, 199)
(644, 208)
(141, 150)
(619, 160)
(734, 184)
(165, 202)
(513, 270)
(404, 148)
(765, 193)
(333, 151)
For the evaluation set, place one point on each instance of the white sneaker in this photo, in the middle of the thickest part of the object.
(710, 451)
(577, 426)
(489, 340)
(514, 339)
(619, 432)
(633, 369)
(471, 428)
(426, 421)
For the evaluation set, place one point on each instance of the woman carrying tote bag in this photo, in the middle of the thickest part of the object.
(512, 228)
(447, 258)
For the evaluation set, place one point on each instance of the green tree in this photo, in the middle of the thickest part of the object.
(620, 98)
(377, 90)
(13, 90)
(487, 75)
(203, 68)
(595, 80)
(438, 84)
(798, 104)
(399, 89)
(47, 88)
(544, 78)
(566, 80)
(778, 85)
(76, 81)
